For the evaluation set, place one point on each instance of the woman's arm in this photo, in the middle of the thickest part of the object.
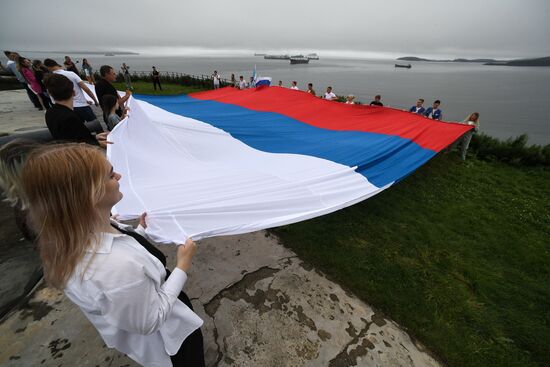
(138, 306)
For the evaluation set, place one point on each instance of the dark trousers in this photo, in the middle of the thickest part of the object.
(32, 96)
(191, 352)
(155, 82)
(46, 100)
(86, 113)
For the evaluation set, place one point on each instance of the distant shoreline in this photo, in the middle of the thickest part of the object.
(114, 53)
(541, 61)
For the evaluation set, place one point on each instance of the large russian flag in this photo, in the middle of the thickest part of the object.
(229, 161)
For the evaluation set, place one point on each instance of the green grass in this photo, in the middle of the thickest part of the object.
(458, 253)
(167, 89)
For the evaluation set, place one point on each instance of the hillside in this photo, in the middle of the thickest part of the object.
(541, 61)
(457, 253)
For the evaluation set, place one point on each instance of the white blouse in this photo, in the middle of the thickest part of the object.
(123, 294)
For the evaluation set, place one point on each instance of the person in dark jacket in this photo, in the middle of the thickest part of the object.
(62, 121)
(103, 87)
(434, 112)
(418, 108)
(377, 101)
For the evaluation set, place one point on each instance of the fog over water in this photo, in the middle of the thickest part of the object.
(447, 28)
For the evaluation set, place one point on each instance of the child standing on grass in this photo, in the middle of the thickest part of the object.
(110, 105)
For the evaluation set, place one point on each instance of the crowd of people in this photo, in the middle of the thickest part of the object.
(33, 76)
(60, 92)
(63, 194)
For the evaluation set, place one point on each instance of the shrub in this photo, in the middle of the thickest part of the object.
(513, 150)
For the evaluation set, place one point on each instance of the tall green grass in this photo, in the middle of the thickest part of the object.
(459, 253)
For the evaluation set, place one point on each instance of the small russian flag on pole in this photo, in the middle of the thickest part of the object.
(260, 82)
(263, 82)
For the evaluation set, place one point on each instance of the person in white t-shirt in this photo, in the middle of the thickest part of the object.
(80, 105)
(242, 82)
(294, 85)
(329, 95)
(216, 78)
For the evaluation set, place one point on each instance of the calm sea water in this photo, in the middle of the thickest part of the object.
(510, 100)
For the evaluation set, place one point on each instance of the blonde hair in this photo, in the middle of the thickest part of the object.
(474, 116)
(13, 156)
(63, 185)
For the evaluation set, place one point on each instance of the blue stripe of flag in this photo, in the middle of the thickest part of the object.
(381, 158)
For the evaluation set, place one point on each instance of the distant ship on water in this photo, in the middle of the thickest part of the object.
(277, 57)
(299, 59)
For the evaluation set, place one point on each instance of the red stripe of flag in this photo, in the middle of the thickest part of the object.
(301, 106)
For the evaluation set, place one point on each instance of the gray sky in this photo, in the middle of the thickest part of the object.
(433, 28)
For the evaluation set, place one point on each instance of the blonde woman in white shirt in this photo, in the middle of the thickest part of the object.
(112, 273)
(464, 141)
(350, 99)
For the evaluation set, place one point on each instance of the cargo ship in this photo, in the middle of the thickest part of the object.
(299, 59)
(277, 57)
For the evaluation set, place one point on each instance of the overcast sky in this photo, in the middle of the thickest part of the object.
(446, 28)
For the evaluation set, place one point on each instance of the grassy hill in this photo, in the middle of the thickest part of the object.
(458, 253)
(141, 87)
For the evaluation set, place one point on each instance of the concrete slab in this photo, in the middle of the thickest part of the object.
(19, 261)
(261, 304)
(18, 115)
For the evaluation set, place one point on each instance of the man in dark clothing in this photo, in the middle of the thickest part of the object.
(156, 78)
(377, 101)
(70, 66)
(104, 87)
(62, 121)
(434, 112)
